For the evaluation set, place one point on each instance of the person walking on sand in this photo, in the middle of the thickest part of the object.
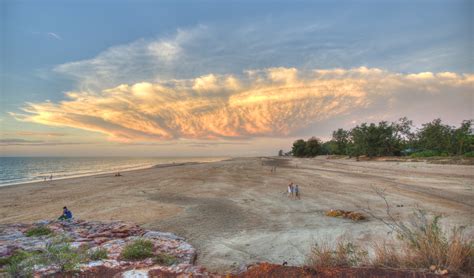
(297, 192)
(290, 190)
(51, 177)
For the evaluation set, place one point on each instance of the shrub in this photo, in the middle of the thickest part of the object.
(20, 264)
(60, 253)
(138, 250)
(98, 254)
(425, 154)
(39, 231)
(165, 259)
(424, 244)
(4, 261)
(469, 154)
(345, 253)
(429, 154)
(386, 255)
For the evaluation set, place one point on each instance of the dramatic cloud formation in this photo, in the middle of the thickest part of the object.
(268, 102)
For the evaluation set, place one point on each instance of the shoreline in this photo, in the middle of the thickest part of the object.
(160, 165)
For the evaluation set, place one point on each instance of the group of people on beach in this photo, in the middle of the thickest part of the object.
(293, 191)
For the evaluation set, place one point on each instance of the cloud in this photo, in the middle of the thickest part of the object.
(24, 142)
(144, 59)
(203, 50)
(54, 36)
(274, 102)
(40, 134)
(17, 141)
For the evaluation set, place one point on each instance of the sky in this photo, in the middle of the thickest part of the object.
(233, 78)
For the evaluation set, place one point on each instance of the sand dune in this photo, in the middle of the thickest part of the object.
(236, 212)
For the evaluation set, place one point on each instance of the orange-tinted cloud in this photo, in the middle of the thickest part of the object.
(268, 102)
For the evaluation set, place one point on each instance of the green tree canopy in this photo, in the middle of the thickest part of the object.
(396, 138)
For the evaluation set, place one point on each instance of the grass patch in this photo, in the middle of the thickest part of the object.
(469, 154)
(428, 153)
(424, 244)
(20, 264)
(420, 244)
(39, 231)
(138, 250)
(60, 253)
(98, 254)
(4, 261)
(344, 253)
(165, 259)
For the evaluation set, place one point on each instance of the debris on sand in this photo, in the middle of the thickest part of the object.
(356, 216)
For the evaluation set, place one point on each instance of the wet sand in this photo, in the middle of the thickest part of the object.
(236, 212)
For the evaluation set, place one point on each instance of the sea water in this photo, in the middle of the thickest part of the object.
(16, 170)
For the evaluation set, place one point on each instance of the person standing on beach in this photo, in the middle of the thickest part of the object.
(290, 190)
(297, 192)
(51, 177)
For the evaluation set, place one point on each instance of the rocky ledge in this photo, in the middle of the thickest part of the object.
(87, 237)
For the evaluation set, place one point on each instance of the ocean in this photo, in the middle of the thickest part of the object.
(17, 170)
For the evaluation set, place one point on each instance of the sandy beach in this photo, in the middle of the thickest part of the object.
(236, 212)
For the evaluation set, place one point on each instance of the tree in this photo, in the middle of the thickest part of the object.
(373, 140)
(341, 140)
(391, 139)
(462, 139)
(435, 136)
(403, 135)
(298, 148)
(313, 147)
(329, 147)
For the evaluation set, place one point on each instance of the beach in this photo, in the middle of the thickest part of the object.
(236, 212)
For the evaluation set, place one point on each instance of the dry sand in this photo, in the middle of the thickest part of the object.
(236, 212)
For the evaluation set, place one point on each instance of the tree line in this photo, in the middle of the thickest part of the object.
(393, 139)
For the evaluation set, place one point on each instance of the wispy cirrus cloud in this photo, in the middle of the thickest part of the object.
(267, 102)
(203, 49)
(144, 59)
(54, 35)
(50, 35)
(25, 142)
(40, 134)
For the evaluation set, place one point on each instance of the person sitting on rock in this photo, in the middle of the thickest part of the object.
(67, 214)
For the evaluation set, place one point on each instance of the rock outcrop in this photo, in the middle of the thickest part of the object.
(110, 236)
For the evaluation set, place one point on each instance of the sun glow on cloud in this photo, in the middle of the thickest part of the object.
(267, 102)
